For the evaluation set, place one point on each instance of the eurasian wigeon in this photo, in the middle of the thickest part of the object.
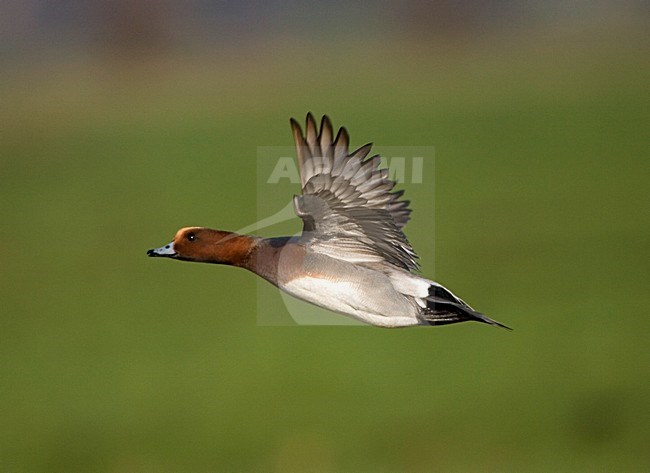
(352, 256)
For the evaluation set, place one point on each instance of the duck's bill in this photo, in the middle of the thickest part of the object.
(166, 251)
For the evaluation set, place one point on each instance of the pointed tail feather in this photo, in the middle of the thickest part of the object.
(487, 320)
(449, 313)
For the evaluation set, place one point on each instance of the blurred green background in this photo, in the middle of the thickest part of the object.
(123, 121)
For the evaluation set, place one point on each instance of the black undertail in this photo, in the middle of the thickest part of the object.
(444, 308)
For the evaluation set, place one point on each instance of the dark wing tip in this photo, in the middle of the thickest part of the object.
(342, 136)
(363, 152)
(295, 126)
(311, 122)
(325, 121)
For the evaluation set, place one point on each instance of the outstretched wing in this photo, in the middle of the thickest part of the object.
(347, 207)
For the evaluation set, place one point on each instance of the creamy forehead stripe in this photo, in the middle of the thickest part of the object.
(166, 250)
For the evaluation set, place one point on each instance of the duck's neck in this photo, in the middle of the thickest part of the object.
(259, 255)
(264, 258)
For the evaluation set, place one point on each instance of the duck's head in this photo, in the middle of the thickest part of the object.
(205, 245)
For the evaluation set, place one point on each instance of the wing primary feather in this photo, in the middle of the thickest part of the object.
(326, 134)
(302, 151)
(362, 152)
(341, 144)
(311, 135)
(326, 148)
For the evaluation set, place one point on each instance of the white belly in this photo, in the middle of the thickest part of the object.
(377, 306)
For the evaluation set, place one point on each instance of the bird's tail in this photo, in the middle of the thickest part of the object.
(442, 308)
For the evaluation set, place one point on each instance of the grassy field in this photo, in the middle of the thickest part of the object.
(113, 362)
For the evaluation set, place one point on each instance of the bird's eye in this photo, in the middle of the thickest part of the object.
(191, 236)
